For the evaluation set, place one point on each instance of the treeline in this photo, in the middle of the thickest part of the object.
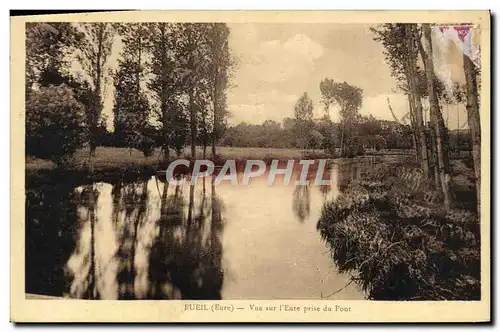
(370, 133)
(353, 135)
(170, 87)
(408, 50)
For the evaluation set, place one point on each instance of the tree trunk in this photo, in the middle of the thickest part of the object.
(192, 122)
(457, 139)
(163, 105)
(417, 102)
(415, 134)
(91, 160)
(166, 151)
(214, 152)
(96, 107)
(437, 120)
(433, 160)
(474, 123)
(163, 101)
(138, 73)
(342, 140)
(215, 130)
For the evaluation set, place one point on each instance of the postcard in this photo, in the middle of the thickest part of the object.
(251, 166)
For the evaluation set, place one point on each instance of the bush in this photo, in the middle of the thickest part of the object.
(146, 145)
(390, 230)
(55, 124)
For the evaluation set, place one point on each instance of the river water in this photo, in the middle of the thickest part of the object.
(148, 239)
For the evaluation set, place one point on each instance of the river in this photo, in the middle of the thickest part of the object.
(148, 239)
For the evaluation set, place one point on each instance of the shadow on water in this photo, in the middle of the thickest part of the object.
(302, 202)
(150, 239)
(51, 211)
(185, 261)
(141, 240)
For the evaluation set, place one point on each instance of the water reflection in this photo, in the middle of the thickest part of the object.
(135, 249)
(149, 239)
(302, 202)
(185, 260)
(50, 237)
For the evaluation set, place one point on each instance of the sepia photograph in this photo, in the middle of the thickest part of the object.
(319, 166)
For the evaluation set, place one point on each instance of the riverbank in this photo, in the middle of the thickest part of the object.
(202, 242)
(112, 162)
(389, 229)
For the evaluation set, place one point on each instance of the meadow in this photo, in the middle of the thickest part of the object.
(123, 160)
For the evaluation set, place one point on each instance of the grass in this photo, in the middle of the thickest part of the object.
(107, 158)
(123, 162)
(113, 157)
(389, 230)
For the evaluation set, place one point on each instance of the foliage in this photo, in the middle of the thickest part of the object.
(94, 54)
(394, 38)
(165, 85)
(350, 99)
(303, 111)
(47, 46)
(131, 109)
(55, 124)
(389, 228)
(369, 133)
(328, 131)
(220, 64)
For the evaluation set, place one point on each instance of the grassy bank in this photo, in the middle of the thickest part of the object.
(123, 162)
(389, 230)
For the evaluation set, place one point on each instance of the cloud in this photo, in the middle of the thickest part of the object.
(377, 106)
(272, 105)
(274, 61)
(264, 68)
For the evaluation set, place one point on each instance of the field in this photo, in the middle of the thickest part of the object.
(113, 158)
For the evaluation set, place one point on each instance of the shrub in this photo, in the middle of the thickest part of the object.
(389, 229)
(55, 124)
(146, 145)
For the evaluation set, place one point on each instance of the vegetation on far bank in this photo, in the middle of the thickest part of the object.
(111, 162)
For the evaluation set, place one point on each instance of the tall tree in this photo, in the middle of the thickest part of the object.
(165, 85)
(193, 59)
(437, 119)
(474, 121)
(349, 98)
(400, 52)
(131, 107)
(95, 52)
(303, 111)
(204, 112)
(47, 46)
(136, 43)
(220, 62)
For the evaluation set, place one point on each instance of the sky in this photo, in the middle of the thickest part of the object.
(276, 63)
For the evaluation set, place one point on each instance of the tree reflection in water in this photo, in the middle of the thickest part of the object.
(302, 202)
(155, 243)
(348, 172)
(83, 260)
(50, 236)
(185, 261)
